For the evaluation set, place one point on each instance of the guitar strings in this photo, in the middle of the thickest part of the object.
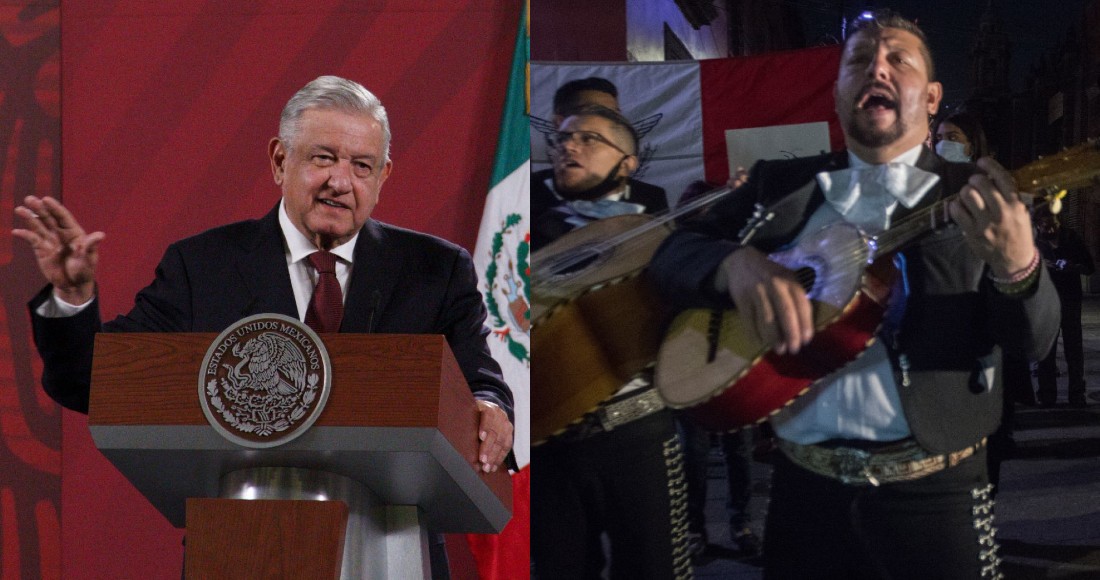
(626, 241)
(903, 232)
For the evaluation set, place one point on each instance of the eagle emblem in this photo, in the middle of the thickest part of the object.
(264, 380)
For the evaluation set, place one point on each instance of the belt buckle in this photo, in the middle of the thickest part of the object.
(850, 465)
(622, 412)
(607, 419)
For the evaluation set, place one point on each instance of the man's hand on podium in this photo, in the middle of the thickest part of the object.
(495, 433)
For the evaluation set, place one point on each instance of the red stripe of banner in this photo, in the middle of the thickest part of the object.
(508, 553)
(758, 91)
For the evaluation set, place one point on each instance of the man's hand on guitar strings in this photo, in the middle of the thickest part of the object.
(995, 219)
(769, 299)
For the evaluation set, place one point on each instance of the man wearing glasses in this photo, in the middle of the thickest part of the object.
(618, 471)
(563, 198)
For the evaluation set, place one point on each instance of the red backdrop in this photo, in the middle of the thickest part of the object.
(30, 434)
(167, 110)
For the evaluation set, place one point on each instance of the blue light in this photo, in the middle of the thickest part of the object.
(867, 15)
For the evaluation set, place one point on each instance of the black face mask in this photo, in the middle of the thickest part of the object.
(597, 191)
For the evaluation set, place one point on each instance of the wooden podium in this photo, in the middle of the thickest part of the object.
(391, 455)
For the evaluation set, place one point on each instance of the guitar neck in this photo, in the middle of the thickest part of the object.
(1038, 181)
(933, 218)
(913, 226)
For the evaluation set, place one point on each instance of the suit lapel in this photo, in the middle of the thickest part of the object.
(931, 162)
(373, 276)
(264, 271)
(793, 210)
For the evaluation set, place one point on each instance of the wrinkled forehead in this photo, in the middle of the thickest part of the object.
(895, 39)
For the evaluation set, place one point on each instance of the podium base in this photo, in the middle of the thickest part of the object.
(380, 541)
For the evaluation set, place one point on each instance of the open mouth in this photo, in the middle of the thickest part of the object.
(877, 99)
(568, 163)
(332, 203)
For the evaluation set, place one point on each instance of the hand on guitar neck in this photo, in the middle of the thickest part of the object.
(773, 305)
(770, 300)
(995, 220)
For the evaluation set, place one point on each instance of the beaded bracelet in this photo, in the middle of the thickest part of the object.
(1021, 275)
(1020, 281)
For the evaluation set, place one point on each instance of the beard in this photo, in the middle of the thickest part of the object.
(594, 192)
(874, 137)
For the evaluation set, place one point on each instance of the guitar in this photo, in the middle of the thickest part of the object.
(595, 321)
(709, 365)
(601, 253)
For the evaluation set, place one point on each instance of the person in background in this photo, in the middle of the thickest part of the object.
(547, 196)
(1067, 259)
(959, 137)
(617, 472)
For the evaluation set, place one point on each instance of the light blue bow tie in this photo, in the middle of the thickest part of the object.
(876, 188)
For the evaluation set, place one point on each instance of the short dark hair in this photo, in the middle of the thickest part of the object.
(971, 126)
(566, 97)
(876, 20)
(619, 123)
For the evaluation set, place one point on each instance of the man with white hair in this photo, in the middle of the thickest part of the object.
(330, 159)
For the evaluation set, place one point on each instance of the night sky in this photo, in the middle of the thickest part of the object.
(1034, 27)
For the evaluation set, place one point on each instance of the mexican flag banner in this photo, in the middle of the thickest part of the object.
(700, 120)
(502, 259)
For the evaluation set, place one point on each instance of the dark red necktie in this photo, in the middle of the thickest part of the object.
(326, 307)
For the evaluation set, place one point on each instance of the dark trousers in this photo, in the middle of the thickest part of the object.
(1072, 349)
(627, 483)
(737, 448)
(939, 526)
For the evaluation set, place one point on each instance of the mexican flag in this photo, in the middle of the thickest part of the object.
(502, 260)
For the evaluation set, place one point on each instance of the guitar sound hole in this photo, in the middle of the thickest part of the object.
(807, 277)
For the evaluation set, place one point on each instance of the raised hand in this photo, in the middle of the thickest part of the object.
(66, 255)
(995, 220)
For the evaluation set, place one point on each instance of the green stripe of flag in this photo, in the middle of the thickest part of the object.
(514, 147)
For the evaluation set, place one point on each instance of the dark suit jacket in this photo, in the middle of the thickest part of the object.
(547, 226)
(401, 282)
(955, 323)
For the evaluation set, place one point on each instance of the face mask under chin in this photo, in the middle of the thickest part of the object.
(952, 151)
(609, 184)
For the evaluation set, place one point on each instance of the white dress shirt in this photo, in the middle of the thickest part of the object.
(302, 275)
(860, 401)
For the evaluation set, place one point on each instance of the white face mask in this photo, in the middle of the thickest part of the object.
(952, 151)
